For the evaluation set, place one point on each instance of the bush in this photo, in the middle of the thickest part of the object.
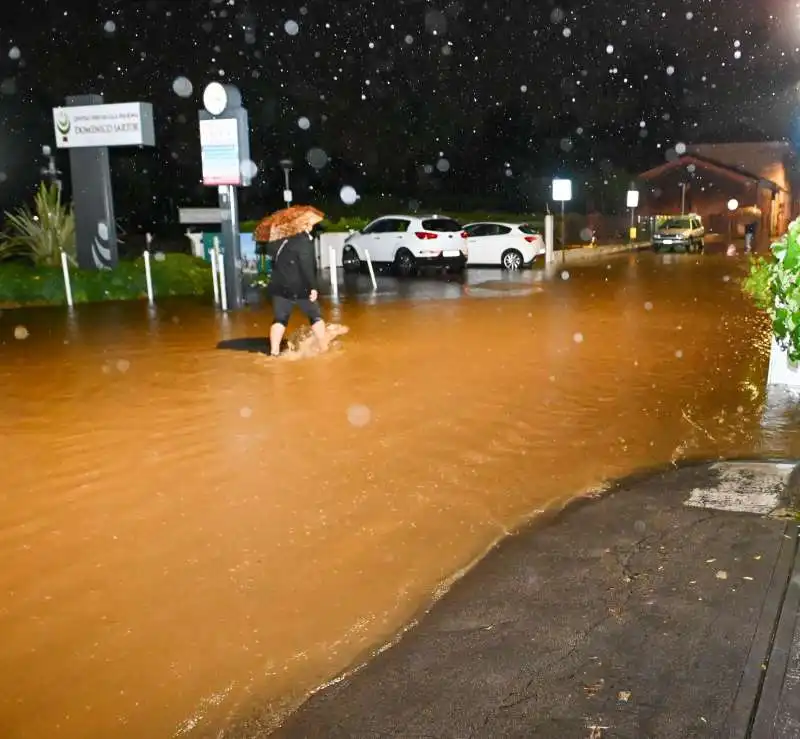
(41, 234)
(774, 286)
(175, 275)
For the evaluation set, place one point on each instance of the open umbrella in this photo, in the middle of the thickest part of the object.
(283, 224)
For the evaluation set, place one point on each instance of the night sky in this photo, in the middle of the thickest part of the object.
(449, 101)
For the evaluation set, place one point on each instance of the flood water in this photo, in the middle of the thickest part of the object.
(188, 535)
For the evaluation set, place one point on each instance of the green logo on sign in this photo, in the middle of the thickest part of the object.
(63, 123)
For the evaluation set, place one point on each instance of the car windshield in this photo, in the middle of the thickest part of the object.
(675, 223)
(443, 225)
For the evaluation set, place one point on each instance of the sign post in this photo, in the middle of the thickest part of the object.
(225, 154)
(633, 204)
(88, 127)
(733, 205)
(562, 191)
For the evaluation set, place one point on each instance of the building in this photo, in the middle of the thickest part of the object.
(761, 177)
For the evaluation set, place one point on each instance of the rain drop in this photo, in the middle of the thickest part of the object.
(443, 165)
(409, 39)
(248, 168)
(523, 88)
(109, 27)
(648, 305)
(577, 337)
(317, 157)
(123, 365)
(566, 32)
(304, 123)
(670, 70)
(680, 148)
(359, 415)
(21, 333)
(679, 354)
(291, 27)
(182, 87)
(246, 412)
(565, 275)
(159, 256)
(348, 195)
(14, 53)
(689, 15)
(610, 49)
(586, 234)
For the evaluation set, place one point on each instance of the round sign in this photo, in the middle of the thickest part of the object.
(733, 204)
(215, 98)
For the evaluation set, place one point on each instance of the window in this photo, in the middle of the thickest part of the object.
(387, 225)
(530, 230)
(442, 225)
(479, 229)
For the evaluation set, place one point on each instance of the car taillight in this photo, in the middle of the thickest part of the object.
(426, 235)
(530, 239)
(464, 235)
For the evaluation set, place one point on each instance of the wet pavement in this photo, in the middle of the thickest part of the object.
(190, 533)
(632, 616)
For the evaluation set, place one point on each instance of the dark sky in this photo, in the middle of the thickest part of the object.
(461, 97)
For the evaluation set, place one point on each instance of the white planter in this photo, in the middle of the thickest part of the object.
(781, 370)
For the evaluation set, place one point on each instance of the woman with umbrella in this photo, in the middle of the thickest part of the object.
(293, 282)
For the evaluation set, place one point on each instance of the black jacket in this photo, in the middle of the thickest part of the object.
(294, 266)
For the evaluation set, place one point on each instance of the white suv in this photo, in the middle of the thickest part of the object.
(408, 242)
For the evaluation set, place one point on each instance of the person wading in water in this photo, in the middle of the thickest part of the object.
(294, 284)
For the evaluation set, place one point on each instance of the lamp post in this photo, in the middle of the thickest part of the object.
(633, 204)
(286, 166)
(683, 187)
(51, 172)
(733, 205)
(562, 191)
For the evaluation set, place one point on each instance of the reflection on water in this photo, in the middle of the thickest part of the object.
(186, 532)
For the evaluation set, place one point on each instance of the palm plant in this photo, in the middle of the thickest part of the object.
(43, 233)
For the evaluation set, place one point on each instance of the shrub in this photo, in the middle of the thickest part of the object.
(41, 234)
(774, 286)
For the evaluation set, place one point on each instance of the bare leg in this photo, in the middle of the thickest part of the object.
(321, 334)
(276, 332)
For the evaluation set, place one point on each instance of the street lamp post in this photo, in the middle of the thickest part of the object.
(51, 172)
(733, 205)
(683, 187)
(562, 191)
(286, 166)
(633, 204)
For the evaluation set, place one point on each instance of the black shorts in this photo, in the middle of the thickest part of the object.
(282, 309)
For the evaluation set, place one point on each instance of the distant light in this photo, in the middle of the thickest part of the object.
(733, 204)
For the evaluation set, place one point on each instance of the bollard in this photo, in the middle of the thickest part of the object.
(549, 230)
(67, 284)
(334, 273)
(371, 270)
(148, 275)
(223, 293)
(214, 276)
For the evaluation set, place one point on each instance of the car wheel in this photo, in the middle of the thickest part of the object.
(350, 260)
(511, 260)
(404, 263)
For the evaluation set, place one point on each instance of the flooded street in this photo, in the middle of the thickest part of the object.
(189, 535)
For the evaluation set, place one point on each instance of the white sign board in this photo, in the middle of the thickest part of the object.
(562, 190)
(199, 216)
(115, 124)
(219, 151)
(633, 198)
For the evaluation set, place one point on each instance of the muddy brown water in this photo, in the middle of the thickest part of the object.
(189, 535)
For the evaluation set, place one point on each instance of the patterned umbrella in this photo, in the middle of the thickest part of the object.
(287, 222)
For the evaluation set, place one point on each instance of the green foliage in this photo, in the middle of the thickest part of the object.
(39, 235)
(175, 275)
(774, 286)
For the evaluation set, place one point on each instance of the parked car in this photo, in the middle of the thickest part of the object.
(508, 245)
(408, 243)
(680, 233)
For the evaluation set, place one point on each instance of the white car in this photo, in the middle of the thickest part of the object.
(407, 243)
(509, 245)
